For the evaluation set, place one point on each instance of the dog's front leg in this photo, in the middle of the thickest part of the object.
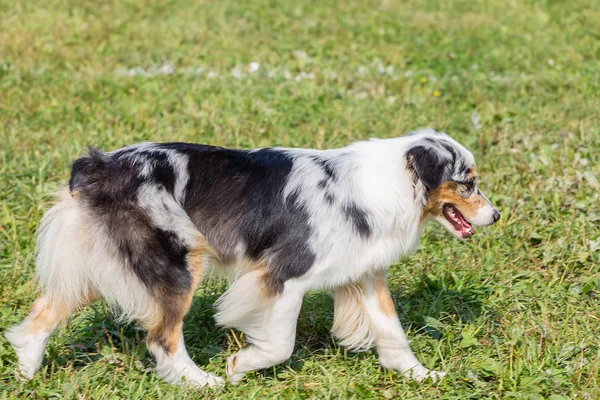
(392, 345)
(365, 314)
(270, 329)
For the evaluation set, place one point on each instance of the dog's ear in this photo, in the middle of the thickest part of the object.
(428, 164)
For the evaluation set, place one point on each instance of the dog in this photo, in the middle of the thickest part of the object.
(139, 226)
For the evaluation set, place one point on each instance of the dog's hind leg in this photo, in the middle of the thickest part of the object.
(165, 336)
(365, 314)
(165, 342)
(268, 321)
(30, 337)
(62, 250)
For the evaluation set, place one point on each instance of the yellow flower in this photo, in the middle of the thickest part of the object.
(423, 80)
(436, 94)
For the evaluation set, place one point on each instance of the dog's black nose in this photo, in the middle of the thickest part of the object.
(496, 215)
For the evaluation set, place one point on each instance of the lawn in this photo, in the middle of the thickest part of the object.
(512, 313)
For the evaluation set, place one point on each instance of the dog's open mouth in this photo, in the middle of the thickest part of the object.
(460, 224)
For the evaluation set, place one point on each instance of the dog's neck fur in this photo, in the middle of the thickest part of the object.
(395, 192)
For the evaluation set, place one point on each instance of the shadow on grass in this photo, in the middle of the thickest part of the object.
(427, 298)
(95, 334)
(435, 298)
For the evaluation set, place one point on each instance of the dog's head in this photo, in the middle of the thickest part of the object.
(446, 178)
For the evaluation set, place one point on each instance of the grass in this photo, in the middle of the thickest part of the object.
(514, 313)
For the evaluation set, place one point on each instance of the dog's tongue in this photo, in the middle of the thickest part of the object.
(464, 228)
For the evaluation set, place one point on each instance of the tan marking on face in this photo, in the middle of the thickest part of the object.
(472, 173)
(449, 193)
(384, 298)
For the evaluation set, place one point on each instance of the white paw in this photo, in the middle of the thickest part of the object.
(420, 373)
(29, 349)
(195, 378)
(208, 379)
(181, 370)
(233, 377)
(216, 381)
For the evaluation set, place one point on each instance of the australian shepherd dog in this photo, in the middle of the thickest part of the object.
(139, 226)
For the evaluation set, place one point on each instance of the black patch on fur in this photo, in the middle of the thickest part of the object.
(163, 172)
(232, 197)
(330, 177)
(428, 165)
(103, 178)
(159, 260)
(108, 186)
(329, 198)
(326, 166)
(236, 196)
(293, 256)
(450, 149)
(359, 219)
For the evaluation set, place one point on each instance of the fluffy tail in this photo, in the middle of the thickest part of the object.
(62, 252)
(61, 258)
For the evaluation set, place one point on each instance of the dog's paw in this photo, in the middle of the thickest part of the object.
(29, 349)
(185, 373)
(420, 373)
(202, 380)
(214, 381)
(233, 377)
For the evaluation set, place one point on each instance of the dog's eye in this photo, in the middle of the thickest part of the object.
(468, 185)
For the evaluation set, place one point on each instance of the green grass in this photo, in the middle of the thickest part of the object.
(514, 313)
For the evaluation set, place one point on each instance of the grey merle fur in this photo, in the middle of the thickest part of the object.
(232, 197)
